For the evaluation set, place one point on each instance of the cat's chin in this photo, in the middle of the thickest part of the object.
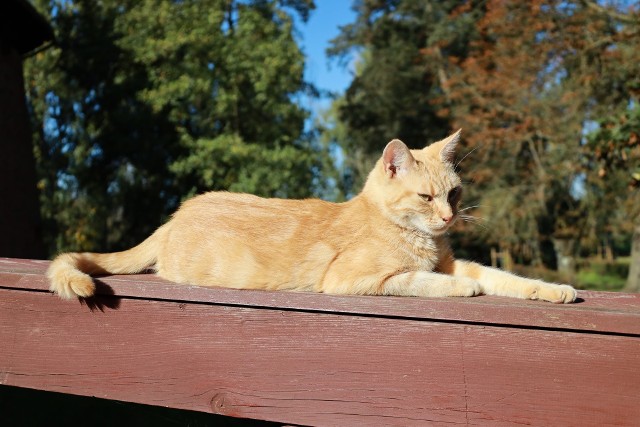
(429, 229)
(437, 231)
(441, 229)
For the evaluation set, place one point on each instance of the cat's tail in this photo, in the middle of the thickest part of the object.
(70, 273)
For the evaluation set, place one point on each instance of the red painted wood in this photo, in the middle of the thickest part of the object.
(604, 312)
(334, 361)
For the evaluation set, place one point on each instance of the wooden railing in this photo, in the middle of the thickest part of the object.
(325, 360)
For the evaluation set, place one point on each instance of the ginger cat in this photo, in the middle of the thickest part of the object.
(389, 240)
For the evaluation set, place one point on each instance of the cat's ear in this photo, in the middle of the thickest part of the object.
(446, 148)
(397, 158)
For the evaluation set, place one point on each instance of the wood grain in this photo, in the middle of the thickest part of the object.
(597, 312)
(331, 361)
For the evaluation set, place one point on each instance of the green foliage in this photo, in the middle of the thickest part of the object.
(396, 91)
(614, 147)
(142, 103)
(612, 168)
(274, 171)
(99, 150)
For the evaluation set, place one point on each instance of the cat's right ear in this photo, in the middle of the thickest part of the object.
(396, 159)
(446, 148)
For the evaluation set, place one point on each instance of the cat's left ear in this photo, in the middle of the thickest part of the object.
(397, 159)
(446, 148)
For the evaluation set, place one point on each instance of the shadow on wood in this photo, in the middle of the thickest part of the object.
(103, 298)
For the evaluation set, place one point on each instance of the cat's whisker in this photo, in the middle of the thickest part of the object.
(465, 156)
(473, 217)
(468, 207)
(474, 220)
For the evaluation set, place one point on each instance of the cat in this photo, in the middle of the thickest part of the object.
(388, 240)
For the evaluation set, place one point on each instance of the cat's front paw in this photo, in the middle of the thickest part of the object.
(558, 294)
(465, 287)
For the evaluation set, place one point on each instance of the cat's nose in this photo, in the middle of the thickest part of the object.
(447, 219)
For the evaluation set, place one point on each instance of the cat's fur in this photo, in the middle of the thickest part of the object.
(389, 240)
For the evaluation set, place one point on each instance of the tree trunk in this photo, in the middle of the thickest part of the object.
(608, 250)
(633, 280)
(565, 258)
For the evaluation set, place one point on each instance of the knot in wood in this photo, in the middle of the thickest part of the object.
(218, 404)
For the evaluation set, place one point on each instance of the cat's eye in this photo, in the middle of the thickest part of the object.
(454, 194)
(426, 197)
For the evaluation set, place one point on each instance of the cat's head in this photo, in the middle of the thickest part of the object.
(418, 189)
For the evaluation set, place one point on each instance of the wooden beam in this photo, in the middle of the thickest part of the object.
(320, 359)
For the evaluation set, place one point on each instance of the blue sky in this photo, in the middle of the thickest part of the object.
(314, 36)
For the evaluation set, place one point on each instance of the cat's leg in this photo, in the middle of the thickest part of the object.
(501, 283)
(428, 284)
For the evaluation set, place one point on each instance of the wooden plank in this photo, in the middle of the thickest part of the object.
(598, 312)
(306, 367)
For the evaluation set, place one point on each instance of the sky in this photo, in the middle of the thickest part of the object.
(314, 36)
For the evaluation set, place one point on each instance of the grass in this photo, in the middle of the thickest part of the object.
(601, 275)
(598, 282)
(593, 274)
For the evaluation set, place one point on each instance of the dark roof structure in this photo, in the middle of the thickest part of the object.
(22, 27)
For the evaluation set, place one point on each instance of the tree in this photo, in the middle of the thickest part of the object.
(538, 73)
(507, 94)
(396, 86)
(100, 151)
(145, 102)
(226, 77)
(613, 153)
(525, 81)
